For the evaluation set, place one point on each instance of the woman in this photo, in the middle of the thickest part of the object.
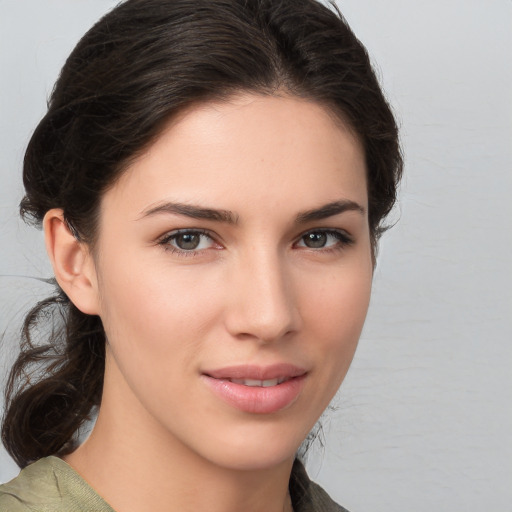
(212, 178)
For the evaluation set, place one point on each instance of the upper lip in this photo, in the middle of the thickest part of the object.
(255, 372)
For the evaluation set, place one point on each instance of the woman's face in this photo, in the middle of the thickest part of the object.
(234, 271)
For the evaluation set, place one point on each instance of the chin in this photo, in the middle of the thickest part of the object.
(254, 460)
(256, 449)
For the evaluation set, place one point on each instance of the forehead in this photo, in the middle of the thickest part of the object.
(250, 150)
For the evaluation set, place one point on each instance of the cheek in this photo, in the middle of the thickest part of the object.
(153, 332)
(337, 302)
(156, 312)
(334, 313)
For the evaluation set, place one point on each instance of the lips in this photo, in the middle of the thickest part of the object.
(267, 383)
(252, 372)
(255, 389)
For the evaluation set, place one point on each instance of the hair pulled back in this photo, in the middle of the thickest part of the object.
(136, 68)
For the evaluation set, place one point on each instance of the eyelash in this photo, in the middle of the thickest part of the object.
(344, 240)
(165, 241)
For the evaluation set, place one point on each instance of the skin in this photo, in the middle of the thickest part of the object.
(253, 292)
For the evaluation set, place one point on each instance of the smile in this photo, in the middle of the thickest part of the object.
(260, 383)
(255, 389)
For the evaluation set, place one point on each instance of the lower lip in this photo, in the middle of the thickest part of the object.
(256, 399)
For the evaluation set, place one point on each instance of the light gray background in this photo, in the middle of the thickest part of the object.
(424, 418)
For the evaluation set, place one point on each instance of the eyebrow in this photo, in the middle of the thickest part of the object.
(195, 212)
(329, 210)
(227, 216)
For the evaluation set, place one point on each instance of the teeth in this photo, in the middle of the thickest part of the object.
(259, 383)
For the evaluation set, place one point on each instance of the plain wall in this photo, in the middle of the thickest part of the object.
(424, 418)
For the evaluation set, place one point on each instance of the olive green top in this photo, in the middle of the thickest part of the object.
(51, 485)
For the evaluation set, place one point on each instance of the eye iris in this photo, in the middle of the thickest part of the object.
(315, 240)
(188, 241)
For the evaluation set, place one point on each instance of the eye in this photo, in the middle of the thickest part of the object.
(187, 241)
(324, 239)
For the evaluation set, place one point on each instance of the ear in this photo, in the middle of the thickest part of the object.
(72, 263)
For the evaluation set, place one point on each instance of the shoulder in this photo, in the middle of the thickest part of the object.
(50, 485)
(11, 503)
(307, 496)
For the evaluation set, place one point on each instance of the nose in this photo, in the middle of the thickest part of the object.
(262, 304)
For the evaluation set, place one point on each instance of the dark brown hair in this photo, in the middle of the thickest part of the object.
(140, 65)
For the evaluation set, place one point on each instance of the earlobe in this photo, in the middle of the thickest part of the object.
(72, 263)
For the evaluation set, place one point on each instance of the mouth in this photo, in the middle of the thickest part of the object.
(258, 390)
(253, 383)
(252, 375)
